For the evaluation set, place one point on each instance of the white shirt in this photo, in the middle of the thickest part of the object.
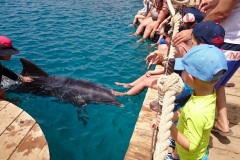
(232, 26)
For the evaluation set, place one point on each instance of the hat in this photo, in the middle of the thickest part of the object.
(6, 47)
(203, 62)
(209, 32)
(189, 17)
(197, 14)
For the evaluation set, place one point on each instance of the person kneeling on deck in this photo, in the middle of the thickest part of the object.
(202, 66)
(6, 51)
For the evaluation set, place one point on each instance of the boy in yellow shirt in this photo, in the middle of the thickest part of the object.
(202, 67)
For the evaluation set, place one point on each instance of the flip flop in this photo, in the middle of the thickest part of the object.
(224, 134)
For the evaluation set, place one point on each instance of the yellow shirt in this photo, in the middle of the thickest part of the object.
(195, 122)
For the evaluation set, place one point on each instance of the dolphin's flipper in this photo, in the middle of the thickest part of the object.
(31, 69)
(82, 117)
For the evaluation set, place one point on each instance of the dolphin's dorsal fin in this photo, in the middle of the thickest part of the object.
(31, 69)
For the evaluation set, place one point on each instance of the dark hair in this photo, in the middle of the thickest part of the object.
(167, 29)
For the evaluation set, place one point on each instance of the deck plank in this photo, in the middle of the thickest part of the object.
(21, 137)
(3, 104)
(14, 134)
(8, 113)
(31, 145)
(44, 154)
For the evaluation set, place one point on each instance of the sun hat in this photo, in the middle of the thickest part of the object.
(196, 12)
(203, 62)
(6, 47)
(189, 17)
(209, 32)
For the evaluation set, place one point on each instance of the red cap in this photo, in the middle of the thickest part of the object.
(6, 47)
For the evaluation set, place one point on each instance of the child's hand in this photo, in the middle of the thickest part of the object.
(155, 122)
(150, 57)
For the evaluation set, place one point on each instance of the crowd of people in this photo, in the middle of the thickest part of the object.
(204, 44)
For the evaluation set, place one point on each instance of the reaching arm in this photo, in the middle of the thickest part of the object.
(221, 11)
(180, 138)
(8, 73)
(161, 16)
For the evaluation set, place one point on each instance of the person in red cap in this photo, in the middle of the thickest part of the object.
(6, 51)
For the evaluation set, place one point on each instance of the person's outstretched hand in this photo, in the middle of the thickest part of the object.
(207, 5)
(26, 79)
(182, 36)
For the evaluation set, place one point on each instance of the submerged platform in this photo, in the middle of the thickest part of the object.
(21, 138)
(221, 148)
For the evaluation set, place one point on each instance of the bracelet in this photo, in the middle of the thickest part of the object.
(20, 78)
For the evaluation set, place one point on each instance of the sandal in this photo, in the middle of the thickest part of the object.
(170, 157)
(218, 131)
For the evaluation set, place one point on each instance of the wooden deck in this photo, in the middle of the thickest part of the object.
(21, 138)
(221, 148)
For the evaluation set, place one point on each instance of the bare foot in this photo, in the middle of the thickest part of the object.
(229, 85)
(125, 85)
(140, 40)
(131, 25)
(134, 34)
(118, 93)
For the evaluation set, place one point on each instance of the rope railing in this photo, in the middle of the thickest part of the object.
(169, 85)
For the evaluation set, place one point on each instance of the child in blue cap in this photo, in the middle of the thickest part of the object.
(202, 66)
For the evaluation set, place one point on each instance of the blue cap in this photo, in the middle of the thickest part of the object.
(203, 62)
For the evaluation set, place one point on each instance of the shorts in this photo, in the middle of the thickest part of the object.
(232, 54)
(205, 157)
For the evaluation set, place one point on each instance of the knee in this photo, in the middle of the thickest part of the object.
(149, 27)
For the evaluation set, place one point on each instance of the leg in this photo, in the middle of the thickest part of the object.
(136, 18)
(141, 27)
(149, 29)
(222, 124)
(132, 84)
(222, 121)
(140, 86)
(125, 85)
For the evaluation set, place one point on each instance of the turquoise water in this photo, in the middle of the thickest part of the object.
(86, 40)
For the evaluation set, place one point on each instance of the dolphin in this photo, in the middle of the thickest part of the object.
(75, 91)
